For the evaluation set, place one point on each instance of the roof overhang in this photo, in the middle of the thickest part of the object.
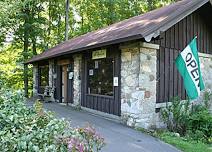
(99, 45)
(173, 19)
(140, 27)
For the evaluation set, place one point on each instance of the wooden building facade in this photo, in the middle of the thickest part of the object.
(172, 42)
(128, 69)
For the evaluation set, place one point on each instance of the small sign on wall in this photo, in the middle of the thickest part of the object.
(70, 75)
(96, 64)
(115, 81)
(91, 72)
(99, 54)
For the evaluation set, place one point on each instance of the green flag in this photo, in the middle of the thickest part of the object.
(189, 67)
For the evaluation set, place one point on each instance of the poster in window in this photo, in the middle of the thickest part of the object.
(91, 72)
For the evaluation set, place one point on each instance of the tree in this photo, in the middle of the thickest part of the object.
(30, 27)
(67, 19)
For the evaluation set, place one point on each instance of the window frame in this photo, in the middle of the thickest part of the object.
(110, 55)
(41, 87)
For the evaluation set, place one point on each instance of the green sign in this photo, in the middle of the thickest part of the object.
(189, 67)
(99, 54)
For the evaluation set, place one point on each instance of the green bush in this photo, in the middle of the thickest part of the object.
(200, 123)
(176, 116)
(193, 121)
(33, 129)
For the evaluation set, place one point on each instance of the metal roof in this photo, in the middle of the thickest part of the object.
(145, 26)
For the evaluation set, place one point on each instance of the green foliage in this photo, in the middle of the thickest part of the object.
(200, 124)
(182, 143)
(176, 116)
(28, 129)
(29, 27)
(194, 121)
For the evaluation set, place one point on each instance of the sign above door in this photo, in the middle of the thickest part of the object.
(99, 54)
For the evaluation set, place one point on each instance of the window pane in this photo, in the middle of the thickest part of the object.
(100, 76)
(44, 76)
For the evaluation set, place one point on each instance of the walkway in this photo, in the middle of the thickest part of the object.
(119, 138)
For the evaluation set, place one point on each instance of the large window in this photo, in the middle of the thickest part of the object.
(100, 76)
(44, 76)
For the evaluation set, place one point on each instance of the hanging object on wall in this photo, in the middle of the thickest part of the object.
(96, 64)
(99, 54)
(70, 75)
(91, 72)
(115, 81)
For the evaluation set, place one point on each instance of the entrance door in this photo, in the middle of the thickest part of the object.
(101, 81)
(64, 85)
(67, 83)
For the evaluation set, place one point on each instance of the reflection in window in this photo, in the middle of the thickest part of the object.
(100, 76)
(44, 76)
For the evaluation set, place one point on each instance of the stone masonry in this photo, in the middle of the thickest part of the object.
(77, 80)
(51, 67)
(35, 80)
(138, 84)
(206, 69)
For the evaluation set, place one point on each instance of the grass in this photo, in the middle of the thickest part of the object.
(186, 145)
(181, 143)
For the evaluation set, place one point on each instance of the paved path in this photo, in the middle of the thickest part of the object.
(119, 138)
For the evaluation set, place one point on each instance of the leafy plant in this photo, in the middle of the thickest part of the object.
(33, 129)
(176, 116)
(194, 121)
(200, 124)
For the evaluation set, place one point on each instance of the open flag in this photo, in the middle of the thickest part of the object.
(189, 67)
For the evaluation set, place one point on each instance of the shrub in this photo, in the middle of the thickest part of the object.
(176, 116)
(194, 121)
(200, 123)
(33, 129)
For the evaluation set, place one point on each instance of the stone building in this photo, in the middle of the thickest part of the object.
(126, 71)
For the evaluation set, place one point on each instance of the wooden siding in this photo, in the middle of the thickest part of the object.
(175, 39)
(107, 104)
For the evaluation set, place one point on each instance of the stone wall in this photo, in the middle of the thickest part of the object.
(77, 80)
(51, 67)
(138, 84)
(206, 69)
(35, 80)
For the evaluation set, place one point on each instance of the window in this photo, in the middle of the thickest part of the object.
(44, 76)
(100, 76)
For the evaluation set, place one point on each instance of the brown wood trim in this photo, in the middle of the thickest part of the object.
(64, 62)
(98, 95)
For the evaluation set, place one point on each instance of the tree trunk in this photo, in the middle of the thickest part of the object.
(34, 46)
(25, 51)
(67, 19)
(59, 29)
(49, 24)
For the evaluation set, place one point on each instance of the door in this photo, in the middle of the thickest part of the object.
(64, 85)
(101, 81)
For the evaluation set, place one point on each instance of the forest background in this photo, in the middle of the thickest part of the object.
(29, 27)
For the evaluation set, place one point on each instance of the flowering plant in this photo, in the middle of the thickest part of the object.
(33, 129)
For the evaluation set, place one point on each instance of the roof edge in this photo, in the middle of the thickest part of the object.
(173, 20)
(131, 38)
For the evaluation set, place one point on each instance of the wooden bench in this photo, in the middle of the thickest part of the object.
(48, 95)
